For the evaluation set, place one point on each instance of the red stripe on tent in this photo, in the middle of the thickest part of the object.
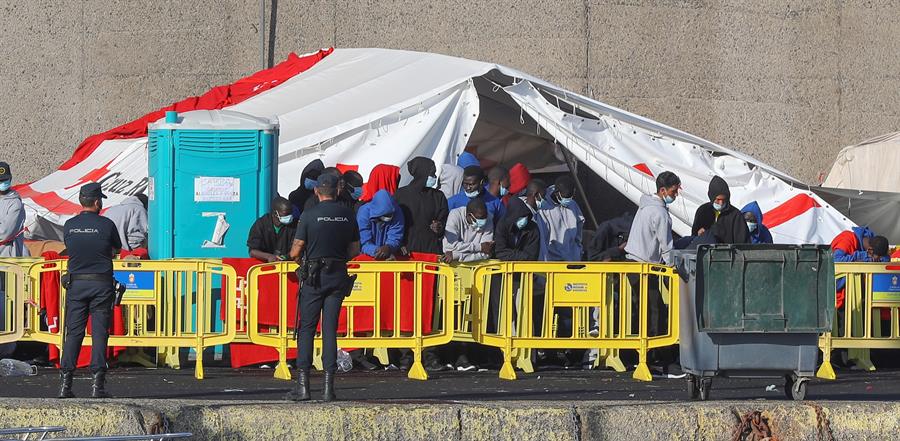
(92, 176)
(794, 207)
(50, 200)
(644, 169)
(215, 98)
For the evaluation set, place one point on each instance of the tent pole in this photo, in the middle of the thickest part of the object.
(587, 204)
(262, 34)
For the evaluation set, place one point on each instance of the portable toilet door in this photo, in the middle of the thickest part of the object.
(212, 174)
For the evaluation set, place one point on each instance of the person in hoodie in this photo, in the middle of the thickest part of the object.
(519, 177)
(516, 239)
(473, 188)
(308, 178)
(380, 226)
(342, 189)
(650, 241)
(561, 223)
(130, 218)
(352, 192)
(719, 218)
(12, 217)
(466, 160)
(754, 218)
(469, 234)
(424, 208)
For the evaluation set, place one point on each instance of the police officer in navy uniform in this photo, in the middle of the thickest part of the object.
(327, 238)
(91, 242)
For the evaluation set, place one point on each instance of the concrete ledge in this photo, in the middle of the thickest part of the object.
(251, 420)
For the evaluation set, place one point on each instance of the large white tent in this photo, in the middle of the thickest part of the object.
(365, 107)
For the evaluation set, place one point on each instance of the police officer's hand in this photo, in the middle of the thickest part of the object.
(383, 252)
(447, 257)
(487, 247)
(437, 227)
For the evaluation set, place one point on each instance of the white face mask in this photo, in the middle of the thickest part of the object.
(718, 207)
(751, 226)
(6, 185)
(432, 182)
(287, 219)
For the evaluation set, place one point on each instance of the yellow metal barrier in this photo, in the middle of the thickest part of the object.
(22, 289)
(366, 295)
(589, 290)
(869, 288)
(12, 283)
(169, 304)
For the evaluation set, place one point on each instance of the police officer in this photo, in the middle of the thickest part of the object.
(327, 237)
(91, 241)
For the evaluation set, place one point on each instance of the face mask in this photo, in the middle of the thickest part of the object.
(432, 182)
(386, 219)
(357, 192)
(668, 199)
(309, 184)
(566, 202)
(542, 204)
(718, 207)
(503, 191)
(751, 226)
(473, 194)
(286, 219)
(6, 185)
(522, 222)
(478, 223)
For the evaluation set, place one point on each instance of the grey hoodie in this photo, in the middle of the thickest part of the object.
(650, 239)
(130, 218)
(463, 240)
(12, 220)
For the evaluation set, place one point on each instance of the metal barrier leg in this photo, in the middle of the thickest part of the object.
(282, 370)
(826, 371)
(417, 371)
(317, 358)
(198, 369)
(642, 372)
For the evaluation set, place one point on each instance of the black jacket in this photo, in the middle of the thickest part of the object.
(299, 196)
(512, 244)
(730, 226)
(421, 205)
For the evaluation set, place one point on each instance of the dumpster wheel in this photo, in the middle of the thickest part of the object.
(795, 387)
(693, 386)
(705, 386)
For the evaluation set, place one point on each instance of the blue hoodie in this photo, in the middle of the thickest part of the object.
(373, 233)
(860, 255)
(467, 159)
(761, 234)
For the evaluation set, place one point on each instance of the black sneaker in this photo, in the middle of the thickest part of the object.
(464, 365)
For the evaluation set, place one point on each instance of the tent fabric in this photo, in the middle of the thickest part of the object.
(871, 165)
(363, 107)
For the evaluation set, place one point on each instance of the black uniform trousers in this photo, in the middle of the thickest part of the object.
(324, 300)
(83, 298)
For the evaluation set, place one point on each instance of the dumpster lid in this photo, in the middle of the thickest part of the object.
(215, 120)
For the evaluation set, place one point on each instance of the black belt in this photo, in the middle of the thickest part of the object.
(94, 277)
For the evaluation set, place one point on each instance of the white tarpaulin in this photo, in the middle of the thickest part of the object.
(365, 107)
(872, 165)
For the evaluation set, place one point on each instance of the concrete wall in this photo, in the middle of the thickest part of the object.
(787, 82)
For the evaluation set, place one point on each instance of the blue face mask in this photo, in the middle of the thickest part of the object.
(357, 192)
(522, 222)
(432, 182)
(566, 202)
(473, 194)
(478, 223)
(286, 219)
(503, 191)
(309, 184)
(718, 207)
(751, 226)
(6, 185)
(386, 219)
(668, 199)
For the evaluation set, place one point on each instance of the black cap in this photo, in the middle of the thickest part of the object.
(5, 172)
(91, 190)
(327, 180)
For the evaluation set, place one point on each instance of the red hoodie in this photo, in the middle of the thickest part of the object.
(382, 177)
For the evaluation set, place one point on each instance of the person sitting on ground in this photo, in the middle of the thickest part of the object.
(381, 227)
(498, 182)
(130, 218)
(473, 188)
(754, 218)
(469, 234)
(719, 218)
(272, 235)
(308, 178)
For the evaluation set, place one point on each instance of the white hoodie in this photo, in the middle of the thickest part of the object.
(12, 222)
(650, 239)
(463, 240)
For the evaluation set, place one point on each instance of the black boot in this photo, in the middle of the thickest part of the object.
(301, 390)
(100, 385)
(328, 394)
(65, 391)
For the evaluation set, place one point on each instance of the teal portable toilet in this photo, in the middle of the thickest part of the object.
(212, 174)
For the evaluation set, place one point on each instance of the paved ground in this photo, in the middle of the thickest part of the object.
(258, 384)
